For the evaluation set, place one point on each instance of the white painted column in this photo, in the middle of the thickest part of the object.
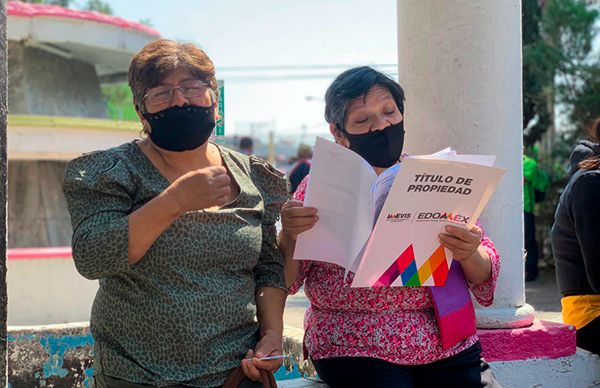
(460, 67)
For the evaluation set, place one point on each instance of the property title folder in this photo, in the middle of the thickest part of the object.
(384, 228)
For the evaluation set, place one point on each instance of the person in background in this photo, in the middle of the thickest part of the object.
(530, 177)
(301, 168)
(583, 150)
(246, 145)
(386, 337)
(576, 247)
(180, 233)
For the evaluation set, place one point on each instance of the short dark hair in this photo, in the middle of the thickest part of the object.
(352, 84)
(246, 142)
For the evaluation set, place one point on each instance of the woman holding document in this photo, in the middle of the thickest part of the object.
(387, 336)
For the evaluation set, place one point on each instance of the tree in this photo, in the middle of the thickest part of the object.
(537, 75)
(62, 3)
(569, 27)
(585, 103)
(98, 6)
(147, 22)
(559, 65)
(119, 101)
(559, 69)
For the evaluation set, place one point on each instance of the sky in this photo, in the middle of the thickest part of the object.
(277, 57)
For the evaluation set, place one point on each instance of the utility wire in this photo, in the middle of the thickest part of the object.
(302, 67)
(253, 73)
(288, 77)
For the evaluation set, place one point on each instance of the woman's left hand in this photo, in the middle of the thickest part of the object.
(462, 242)
(269, 345)
(466, 248)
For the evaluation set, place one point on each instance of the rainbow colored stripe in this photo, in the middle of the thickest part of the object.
(405, 267)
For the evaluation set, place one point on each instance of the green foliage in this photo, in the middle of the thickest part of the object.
(537, 74)
(98, 6)
(90, 5)
(147, 22)
(570, 30)
(62, 3)
(558, 65)
(583, 97)
(119, 102)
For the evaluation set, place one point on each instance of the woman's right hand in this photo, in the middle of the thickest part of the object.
(296, 219)
(201, 189)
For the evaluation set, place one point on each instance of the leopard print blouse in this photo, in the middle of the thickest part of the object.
(185, 313)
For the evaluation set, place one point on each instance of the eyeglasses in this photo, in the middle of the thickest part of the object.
(163, 94)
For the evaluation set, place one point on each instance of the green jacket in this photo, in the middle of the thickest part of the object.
(530, 177)
(535, 183)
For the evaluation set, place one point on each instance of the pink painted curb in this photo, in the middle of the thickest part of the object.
(38, 253)
(543, 339)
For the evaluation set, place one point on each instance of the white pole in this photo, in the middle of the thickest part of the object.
(460, 66)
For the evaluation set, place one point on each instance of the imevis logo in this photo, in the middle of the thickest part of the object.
(398, 217)
(444, 216)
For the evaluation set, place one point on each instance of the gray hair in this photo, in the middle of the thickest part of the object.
(355, 83)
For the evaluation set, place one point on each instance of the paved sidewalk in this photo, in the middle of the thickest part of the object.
(294, 310)
(543, 295)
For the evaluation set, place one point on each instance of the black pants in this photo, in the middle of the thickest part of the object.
(531, 246)
(465, 370)
(104, 381)
(588, 337)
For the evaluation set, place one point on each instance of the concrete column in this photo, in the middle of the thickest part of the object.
(3, 112)
(460, 66)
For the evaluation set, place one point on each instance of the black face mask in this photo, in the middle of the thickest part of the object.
(181, 128)
(380, 148)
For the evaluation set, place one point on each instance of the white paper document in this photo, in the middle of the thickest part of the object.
(384, 228)
(340, 187)
(427, 195)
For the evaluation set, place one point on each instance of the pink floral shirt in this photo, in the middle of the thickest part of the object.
(395, 324)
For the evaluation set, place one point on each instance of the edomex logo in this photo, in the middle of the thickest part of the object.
(442, 216)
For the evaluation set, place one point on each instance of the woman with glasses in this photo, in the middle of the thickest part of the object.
(180, 233)
(387, 337)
